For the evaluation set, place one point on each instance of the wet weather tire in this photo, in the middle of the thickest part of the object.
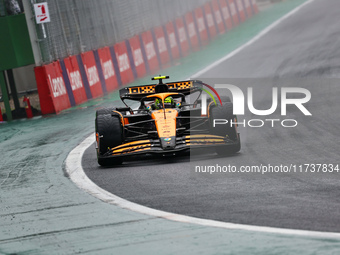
(103, 111)
(225, 112)
(110, 134)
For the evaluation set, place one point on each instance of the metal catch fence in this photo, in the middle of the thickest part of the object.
(81, 25)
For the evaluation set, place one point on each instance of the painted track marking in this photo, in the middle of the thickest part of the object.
(77, 175)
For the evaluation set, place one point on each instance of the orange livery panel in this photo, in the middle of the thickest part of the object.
(165, 121)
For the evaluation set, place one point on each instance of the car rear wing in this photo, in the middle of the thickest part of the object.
(138, 92)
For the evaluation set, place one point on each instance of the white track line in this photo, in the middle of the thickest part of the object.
(77, 175)
(257, 37)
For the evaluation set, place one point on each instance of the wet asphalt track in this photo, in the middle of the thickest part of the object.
(303, 51)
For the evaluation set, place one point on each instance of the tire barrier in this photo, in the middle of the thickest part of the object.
(76, 79)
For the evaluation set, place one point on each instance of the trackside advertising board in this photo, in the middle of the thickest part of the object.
(182, 36)
(74, 76)
(226, 14)
(51, 88)
(202, 29)
(174, 47)
(192, 31)
(163, 50)
(124, 64)
(107, 67)
(218, 16)
(210, 20)
(233, 11)
(136, 50)
(92, 74)
(150, 51)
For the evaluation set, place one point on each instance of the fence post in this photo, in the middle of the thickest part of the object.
(5, 96)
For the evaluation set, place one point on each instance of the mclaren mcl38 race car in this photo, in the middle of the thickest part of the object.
(165, 122)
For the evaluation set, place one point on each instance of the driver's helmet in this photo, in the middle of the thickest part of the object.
(169, 102)
(158, 104)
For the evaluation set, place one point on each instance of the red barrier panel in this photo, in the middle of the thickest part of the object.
(150, 51)
(210, 20)
(137, 55)
(161, 43)
(73, 73)
(247, 4)
(123, 63)
(218, 16)
(51, 88)
(92, 74)
(241, 10)
(108, 69)
(202, 30)
(226, 14)
(172, 40)
(189, 20)
(182, 36)
(233, 11)
(255, 7)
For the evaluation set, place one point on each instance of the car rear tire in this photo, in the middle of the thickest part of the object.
(225, 112)
(108, 110)
(225, 99)
(110, 134)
